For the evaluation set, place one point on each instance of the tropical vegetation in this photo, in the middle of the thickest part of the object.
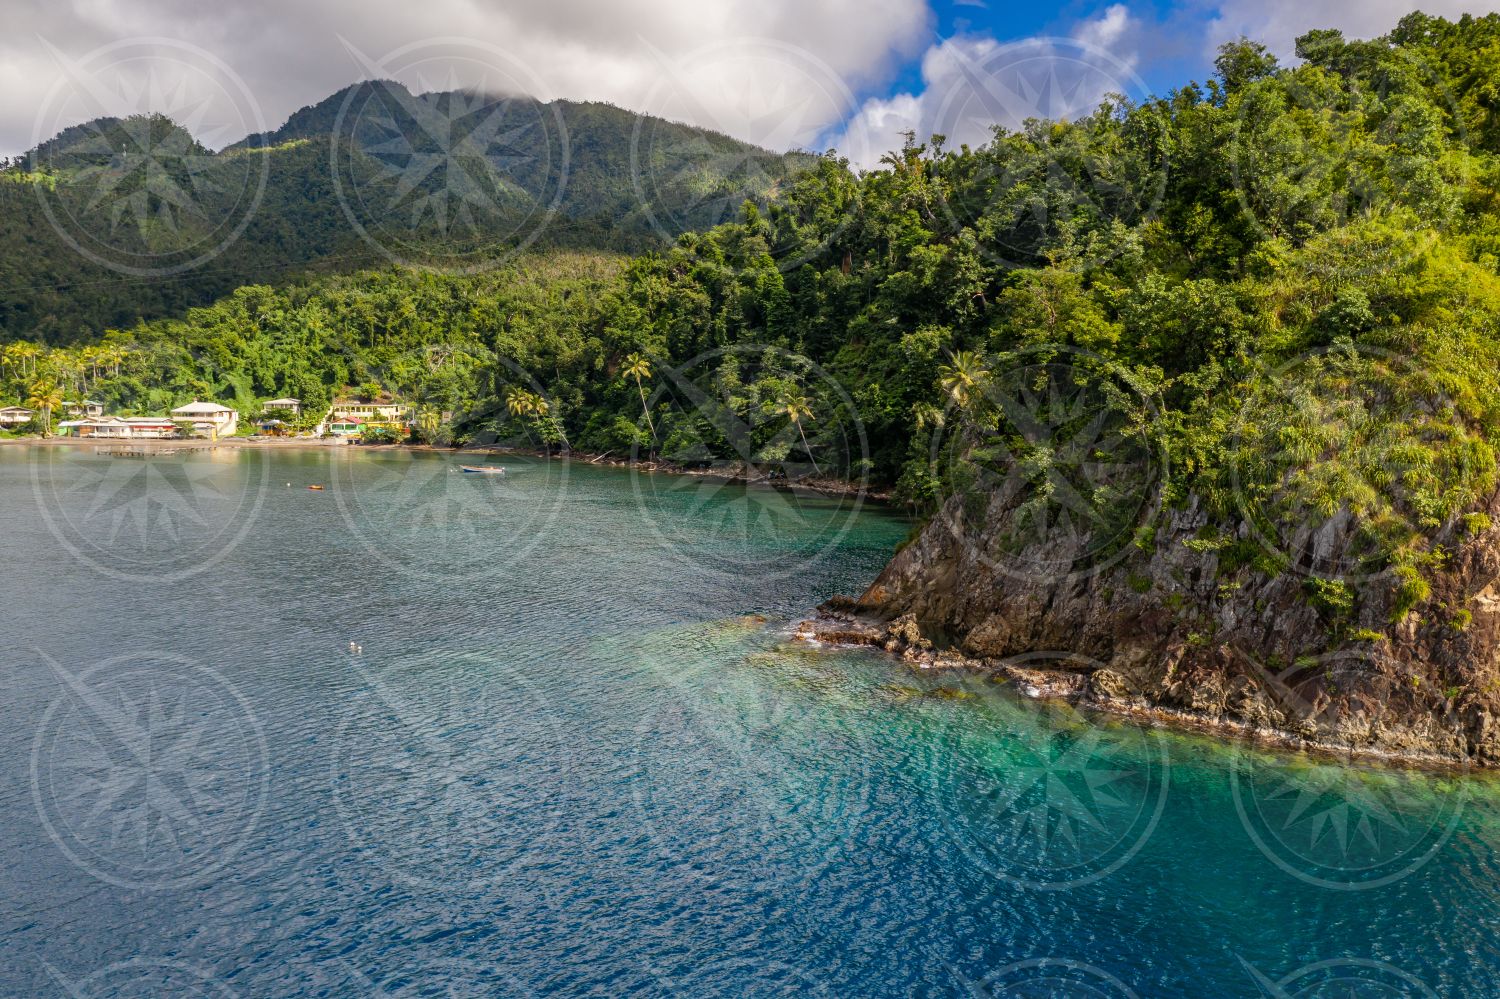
(1285, 280)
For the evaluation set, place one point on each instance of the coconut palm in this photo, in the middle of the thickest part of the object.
(44, 398)
(520, 402)
(88, 357)
(639, 368)
(428, 422)
(69, 368)
(795, 407)
(965, 376)
(549, 425)
(523, 403)
(25, 355)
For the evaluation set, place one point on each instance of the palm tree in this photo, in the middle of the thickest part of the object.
(67, 365)
(639, 368)
(89, 356)
(549, 426)
(520, 402)
(795, 407)
(965, 376)
(25, 355)
(428, 421)
(45, 397)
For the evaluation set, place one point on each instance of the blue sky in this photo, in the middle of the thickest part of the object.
(780, 73)
(1012, 21)
(986, 62)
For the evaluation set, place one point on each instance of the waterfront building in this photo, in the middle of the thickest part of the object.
(208, 418)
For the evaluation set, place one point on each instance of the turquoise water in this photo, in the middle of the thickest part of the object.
(428, 733)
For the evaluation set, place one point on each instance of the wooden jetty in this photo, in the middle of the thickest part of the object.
(150, 452)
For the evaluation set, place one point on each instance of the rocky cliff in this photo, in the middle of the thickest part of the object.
(1188, 618)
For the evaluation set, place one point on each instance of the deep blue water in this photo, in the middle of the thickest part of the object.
(427, 733)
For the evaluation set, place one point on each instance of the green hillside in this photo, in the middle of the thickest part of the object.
(116, 221)
(1285, 280)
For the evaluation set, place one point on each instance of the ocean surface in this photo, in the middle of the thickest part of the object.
(427, 733)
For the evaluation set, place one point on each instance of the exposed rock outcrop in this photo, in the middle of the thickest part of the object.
(1180, 621)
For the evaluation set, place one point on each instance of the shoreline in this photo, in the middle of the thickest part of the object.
(825, 487)
(834, 626)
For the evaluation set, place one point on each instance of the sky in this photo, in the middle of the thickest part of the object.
(811, 74)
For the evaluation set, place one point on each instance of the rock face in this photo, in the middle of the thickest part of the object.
(1177, 618)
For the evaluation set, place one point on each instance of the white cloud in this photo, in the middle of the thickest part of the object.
(1278, 23)
(730, 59)
(972, 83)
(1107, 30)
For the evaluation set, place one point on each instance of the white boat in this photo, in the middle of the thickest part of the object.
(483, 469)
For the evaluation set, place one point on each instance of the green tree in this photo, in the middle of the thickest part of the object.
(796, 407)
(638, 368)
(45, 397)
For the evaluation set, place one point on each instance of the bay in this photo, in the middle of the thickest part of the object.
(547, 733)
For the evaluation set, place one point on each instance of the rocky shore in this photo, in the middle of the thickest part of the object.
(1180, 630)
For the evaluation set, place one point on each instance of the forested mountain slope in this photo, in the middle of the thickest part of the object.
(119, 220)
(1219, 368)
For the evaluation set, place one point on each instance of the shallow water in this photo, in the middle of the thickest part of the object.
(428, 733)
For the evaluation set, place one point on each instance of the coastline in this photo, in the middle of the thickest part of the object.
(840, 624)
(825, 487)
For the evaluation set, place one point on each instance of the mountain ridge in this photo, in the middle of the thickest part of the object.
(117, 220)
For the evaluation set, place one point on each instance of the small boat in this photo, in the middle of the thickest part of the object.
(484, 469)
(316, 488)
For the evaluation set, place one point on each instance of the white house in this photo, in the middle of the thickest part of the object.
(377, 409)
(15, 416)
(208, 417)
(293, 406)
(104, 426)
